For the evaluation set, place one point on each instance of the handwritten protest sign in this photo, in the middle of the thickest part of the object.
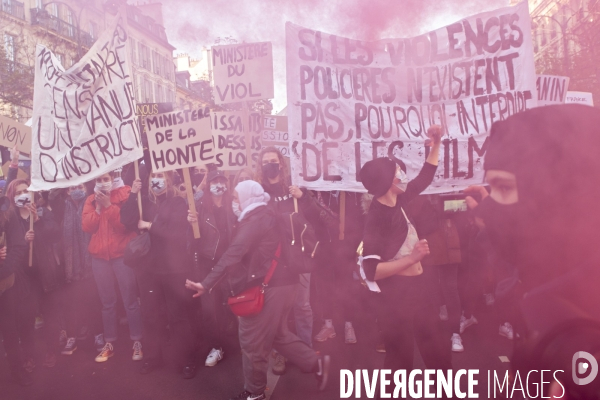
(275, 133)
(551, 89)
(144, 109)
(243, 72)
(179, 139)
(350, 100)
(586, 98)
(230, 139)
(12, 132)
(83, 118)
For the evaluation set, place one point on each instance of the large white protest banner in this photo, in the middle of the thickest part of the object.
(275, 133)
(551, 89)
(243, 72)
(350, 100)
(230, 139)
(179, 139)
(84, 122)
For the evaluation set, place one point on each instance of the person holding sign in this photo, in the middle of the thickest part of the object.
(164, 212)
(44, 275)
(101, 218)
(217, 223)
(392, 253)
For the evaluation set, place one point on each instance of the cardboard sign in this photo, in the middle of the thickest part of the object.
(179, 139)
(84, 122)
(143, 109)
(350, 101)
(275, 133)
(230, 139)
(551, 89)
(586, 98)
(13, 132)
(243, 72)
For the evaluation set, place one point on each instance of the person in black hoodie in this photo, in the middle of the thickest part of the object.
(12, 281)
(392, 254)
(246, 262)
(164, 215)
(272, 173)
(217, 222)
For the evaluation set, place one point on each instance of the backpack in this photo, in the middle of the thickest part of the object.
(299, 244)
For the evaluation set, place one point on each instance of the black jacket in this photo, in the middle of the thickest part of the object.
(386, 227)
(209, 233)
(250, 253)
(16, 246)
(168, 233)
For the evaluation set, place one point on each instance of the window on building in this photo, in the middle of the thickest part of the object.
(9, 47)
(93, 30)
(149, 97)
(54, 9)
(142, 89)
(70, 28)
(170, 97)
(60, 57)
(39, 4)
(132, 46)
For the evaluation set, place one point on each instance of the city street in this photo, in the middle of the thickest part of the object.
(79, 377)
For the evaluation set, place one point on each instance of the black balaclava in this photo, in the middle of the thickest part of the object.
(553, 152)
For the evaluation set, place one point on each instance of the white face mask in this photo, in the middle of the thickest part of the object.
(236, 208)
(103, 187)
(117, 183)
(403, 184)
(218, 189)
(158, 185)
(22, 199)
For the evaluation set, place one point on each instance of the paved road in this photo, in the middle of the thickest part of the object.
(79, 377)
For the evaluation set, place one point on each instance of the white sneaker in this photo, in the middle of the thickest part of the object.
(465, 323)
(444, 313)
(137, 351)
(506, 330)
(214, 357)
(350, 335)
(326, 332)
(457, 345)
(489, 299)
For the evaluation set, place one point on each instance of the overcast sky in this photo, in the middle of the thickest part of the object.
(192, 24)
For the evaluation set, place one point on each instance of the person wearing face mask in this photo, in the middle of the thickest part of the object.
(80, 301)
(245, 263)
(109, 237)
(392, 253)
(272, 173)
(161, 282)
(45, 276)
(215, 213)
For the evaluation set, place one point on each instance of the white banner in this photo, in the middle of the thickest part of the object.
(84, 122)
(243, 72)
(350, 101)
(275, 133)
(230, 139)
(551, 89)
(586, 98)
(179, 139)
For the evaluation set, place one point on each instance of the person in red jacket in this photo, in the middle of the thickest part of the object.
(102, 219)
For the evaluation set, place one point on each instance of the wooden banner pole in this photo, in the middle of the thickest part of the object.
(31, 217)
(187, 180)
(342, 214)
(136, 167)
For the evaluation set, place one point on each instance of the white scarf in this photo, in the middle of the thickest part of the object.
(251, 196)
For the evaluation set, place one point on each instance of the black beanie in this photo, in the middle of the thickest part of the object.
(377, 176)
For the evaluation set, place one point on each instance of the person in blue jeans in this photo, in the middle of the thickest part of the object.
(101, 218)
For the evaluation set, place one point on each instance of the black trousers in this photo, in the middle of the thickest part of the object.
(80, 305)
(168, 290)
(448, 289)
(10, 329)
(408, 315)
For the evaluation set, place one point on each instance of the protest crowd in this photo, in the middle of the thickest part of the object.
(139, 227)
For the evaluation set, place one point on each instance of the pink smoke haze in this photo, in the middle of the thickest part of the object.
(192, 24)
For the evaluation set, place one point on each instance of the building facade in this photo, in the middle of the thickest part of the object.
(69, 28)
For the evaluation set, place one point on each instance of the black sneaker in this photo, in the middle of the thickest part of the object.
(323, 373)
(246, 395)
(150, 365)
(70, 347)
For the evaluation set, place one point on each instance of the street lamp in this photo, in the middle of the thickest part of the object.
(44, 15)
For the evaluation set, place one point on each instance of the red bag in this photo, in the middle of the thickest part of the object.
(250, 302)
